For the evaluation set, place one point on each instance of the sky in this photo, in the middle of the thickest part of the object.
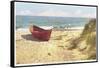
(39, 9)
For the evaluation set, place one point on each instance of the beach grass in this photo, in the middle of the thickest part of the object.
(87, 40)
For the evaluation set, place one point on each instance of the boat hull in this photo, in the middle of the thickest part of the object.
(41, 34)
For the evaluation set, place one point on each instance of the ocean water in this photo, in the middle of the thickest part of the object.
(57, 22)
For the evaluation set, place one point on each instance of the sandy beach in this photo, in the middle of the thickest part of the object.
(30, 50)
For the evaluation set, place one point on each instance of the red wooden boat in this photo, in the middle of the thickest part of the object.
(40, 33)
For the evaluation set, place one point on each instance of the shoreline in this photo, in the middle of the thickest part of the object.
(55, 29)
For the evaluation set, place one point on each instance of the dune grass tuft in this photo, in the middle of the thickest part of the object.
(87, 40)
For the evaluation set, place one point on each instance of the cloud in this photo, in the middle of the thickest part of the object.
(52, 13)
(57, 13)
(89, 15)
(77, 13)
(25, 12)
(80, 13)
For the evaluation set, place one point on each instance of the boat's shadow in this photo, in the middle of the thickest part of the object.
(30, 37)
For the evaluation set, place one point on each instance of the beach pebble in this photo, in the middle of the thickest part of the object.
(49, 54)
